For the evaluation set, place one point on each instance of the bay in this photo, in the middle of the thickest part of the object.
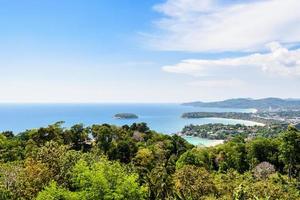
(163, 118)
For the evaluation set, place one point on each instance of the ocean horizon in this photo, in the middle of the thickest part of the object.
(161, 117)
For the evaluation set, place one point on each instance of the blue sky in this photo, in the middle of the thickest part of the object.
(147, 51)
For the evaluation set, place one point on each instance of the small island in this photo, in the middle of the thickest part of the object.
(125, 116)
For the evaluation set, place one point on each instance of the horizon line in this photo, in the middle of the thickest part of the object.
(140, 102)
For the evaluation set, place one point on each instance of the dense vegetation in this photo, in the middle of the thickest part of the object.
(126, 116)
(133, 162)
(223, 131)
(232, 115)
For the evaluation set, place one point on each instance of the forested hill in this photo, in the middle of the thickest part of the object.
(135, 163)
(260, 104)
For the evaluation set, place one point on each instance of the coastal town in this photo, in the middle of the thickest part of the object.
(289, 117)
(269, 124)
(226, 131)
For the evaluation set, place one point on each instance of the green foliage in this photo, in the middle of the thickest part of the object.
(290, 151)
(53, 132)
(227, 182)
(233, 155)
(160, 183)
(10, 148)
(263, 149)
(133, 162)
(144, 159)
(106, 180)
(77, 136)
(123, 151)
(275, 187)
(193, 183)
(30, 179)
(200, 157)
(103, 136)
(227, 131)
(8, 179)
(54, 192)
(140, 127)
(239, 193)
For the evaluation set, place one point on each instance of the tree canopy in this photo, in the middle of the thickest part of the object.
(134, 162)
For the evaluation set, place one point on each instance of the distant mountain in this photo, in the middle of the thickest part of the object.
(260, 104)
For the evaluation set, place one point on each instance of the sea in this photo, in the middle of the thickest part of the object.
(163, 118)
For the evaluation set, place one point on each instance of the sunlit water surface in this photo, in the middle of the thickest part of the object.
(163, 118)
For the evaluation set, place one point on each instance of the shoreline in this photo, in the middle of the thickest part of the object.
(253, 123)
(215, 143)
(249, 119)
(194, 140)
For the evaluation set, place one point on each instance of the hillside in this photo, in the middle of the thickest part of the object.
(260, 104)
(132, 162)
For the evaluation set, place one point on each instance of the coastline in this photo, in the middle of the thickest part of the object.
(198, 141)
(243, 117)
(195, 140)
(215, 143)
(243, 121)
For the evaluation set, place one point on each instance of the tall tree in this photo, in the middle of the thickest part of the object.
(290, 150)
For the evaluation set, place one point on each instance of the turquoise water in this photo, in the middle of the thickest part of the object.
(163, 118)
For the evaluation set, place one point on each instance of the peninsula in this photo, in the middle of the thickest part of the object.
(266, 104)
(279, 117)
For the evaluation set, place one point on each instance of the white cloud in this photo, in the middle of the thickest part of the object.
(212, 25)
(179, 8)
(280, 61)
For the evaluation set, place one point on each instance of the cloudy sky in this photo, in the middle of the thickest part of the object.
(148, 51)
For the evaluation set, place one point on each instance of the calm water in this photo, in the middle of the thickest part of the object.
(164, 118)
